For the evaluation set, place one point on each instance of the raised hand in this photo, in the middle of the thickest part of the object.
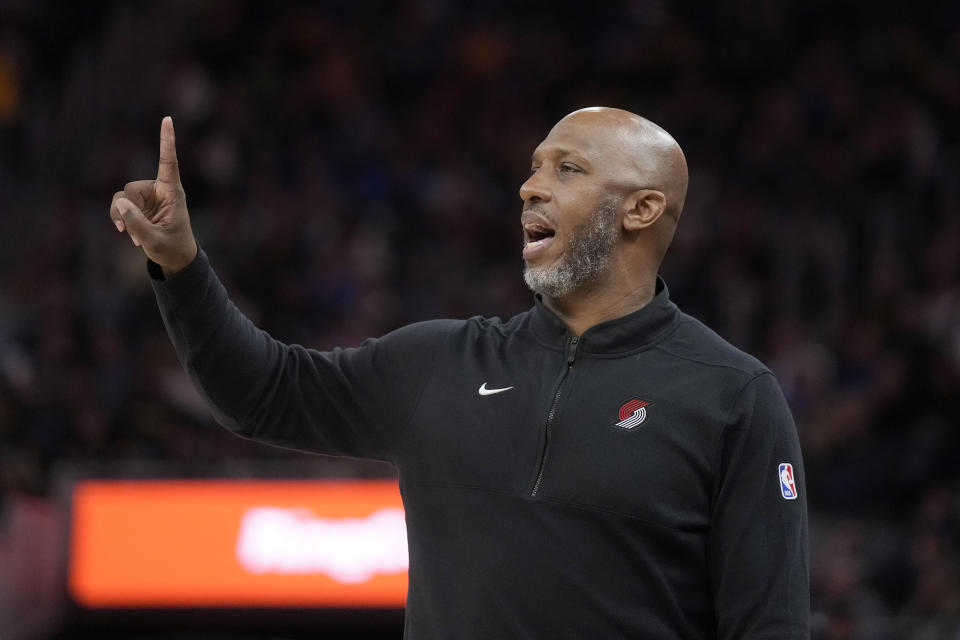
(154, 212)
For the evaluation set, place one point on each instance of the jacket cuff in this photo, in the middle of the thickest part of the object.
(185, 282)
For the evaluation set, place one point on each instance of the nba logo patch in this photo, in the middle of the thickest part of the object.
(788, 488)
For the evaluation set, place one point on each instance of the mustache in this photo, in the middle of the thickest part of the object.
(533, 208)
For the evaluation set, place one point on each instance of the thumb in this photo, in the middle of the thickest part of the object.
(135, 222)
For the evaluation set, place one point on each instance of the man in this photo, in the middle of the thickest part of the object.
(602, 465)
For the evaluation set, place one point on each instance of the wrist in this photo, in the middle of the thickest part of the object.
(173, 267)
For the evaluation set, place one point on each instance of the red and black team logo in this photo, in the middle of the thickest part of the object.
(632, 413)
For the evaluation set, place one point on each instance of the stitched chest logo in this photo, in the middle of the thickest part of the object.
(632, 413)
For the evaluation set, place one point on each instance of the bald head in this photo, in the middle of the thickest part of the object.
(640, 153)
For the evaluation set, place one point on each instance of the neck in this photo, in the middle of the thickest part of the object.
(591, 306)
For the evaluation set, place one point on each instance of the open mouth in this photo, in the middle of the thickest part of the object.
(536, 234)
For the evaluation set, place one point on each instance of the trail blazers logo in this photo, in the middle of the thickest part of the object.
(632, 413)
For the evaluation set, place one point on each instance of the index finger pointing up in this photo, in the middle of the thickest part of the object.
(168, 170)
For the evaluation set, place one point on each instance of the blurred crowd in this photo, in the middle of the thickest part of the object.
(354, 166)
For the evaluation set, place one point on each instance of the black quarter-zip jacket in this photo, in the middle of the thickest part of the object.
(628, 483)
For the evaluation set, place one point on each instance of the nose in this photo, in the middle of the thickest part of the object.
(534, 190)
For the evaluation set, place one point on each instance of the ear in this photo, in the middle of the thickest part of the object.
(644, 208)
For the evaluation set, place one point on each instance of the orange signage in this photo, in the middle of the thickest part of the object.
(227, 543)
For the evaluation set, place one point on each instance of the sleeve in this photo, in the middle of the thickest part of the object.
(757, 545)
(353, 402)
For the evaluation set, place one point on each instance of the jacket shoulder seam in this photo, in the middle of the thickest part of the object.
(751, 373)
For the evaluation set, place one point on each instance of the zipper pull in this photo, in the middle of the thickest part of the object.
(572, 349)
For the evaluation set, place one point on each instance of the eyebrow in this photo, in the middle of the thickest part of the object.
(561, 153)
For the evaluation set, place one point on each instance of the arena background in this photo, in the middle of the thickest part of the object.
(353, 166)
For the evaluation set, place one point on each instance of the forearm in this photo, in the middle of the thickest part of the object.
(230, 361)
(346, 401)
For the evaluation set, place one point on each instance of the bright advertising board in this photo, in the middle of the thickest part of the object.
(213, 544)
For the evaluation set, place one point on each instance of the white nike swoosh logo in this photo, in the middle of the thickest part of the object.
(489, 392)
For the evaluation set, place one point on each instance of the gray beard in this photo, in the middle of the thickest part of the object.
(585, 259)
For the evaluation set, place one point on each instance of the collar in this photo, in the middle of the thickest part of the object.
(632, 332)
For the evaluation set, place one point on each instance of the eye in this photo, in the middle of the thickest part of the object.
(533, 170)
(568, 167)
